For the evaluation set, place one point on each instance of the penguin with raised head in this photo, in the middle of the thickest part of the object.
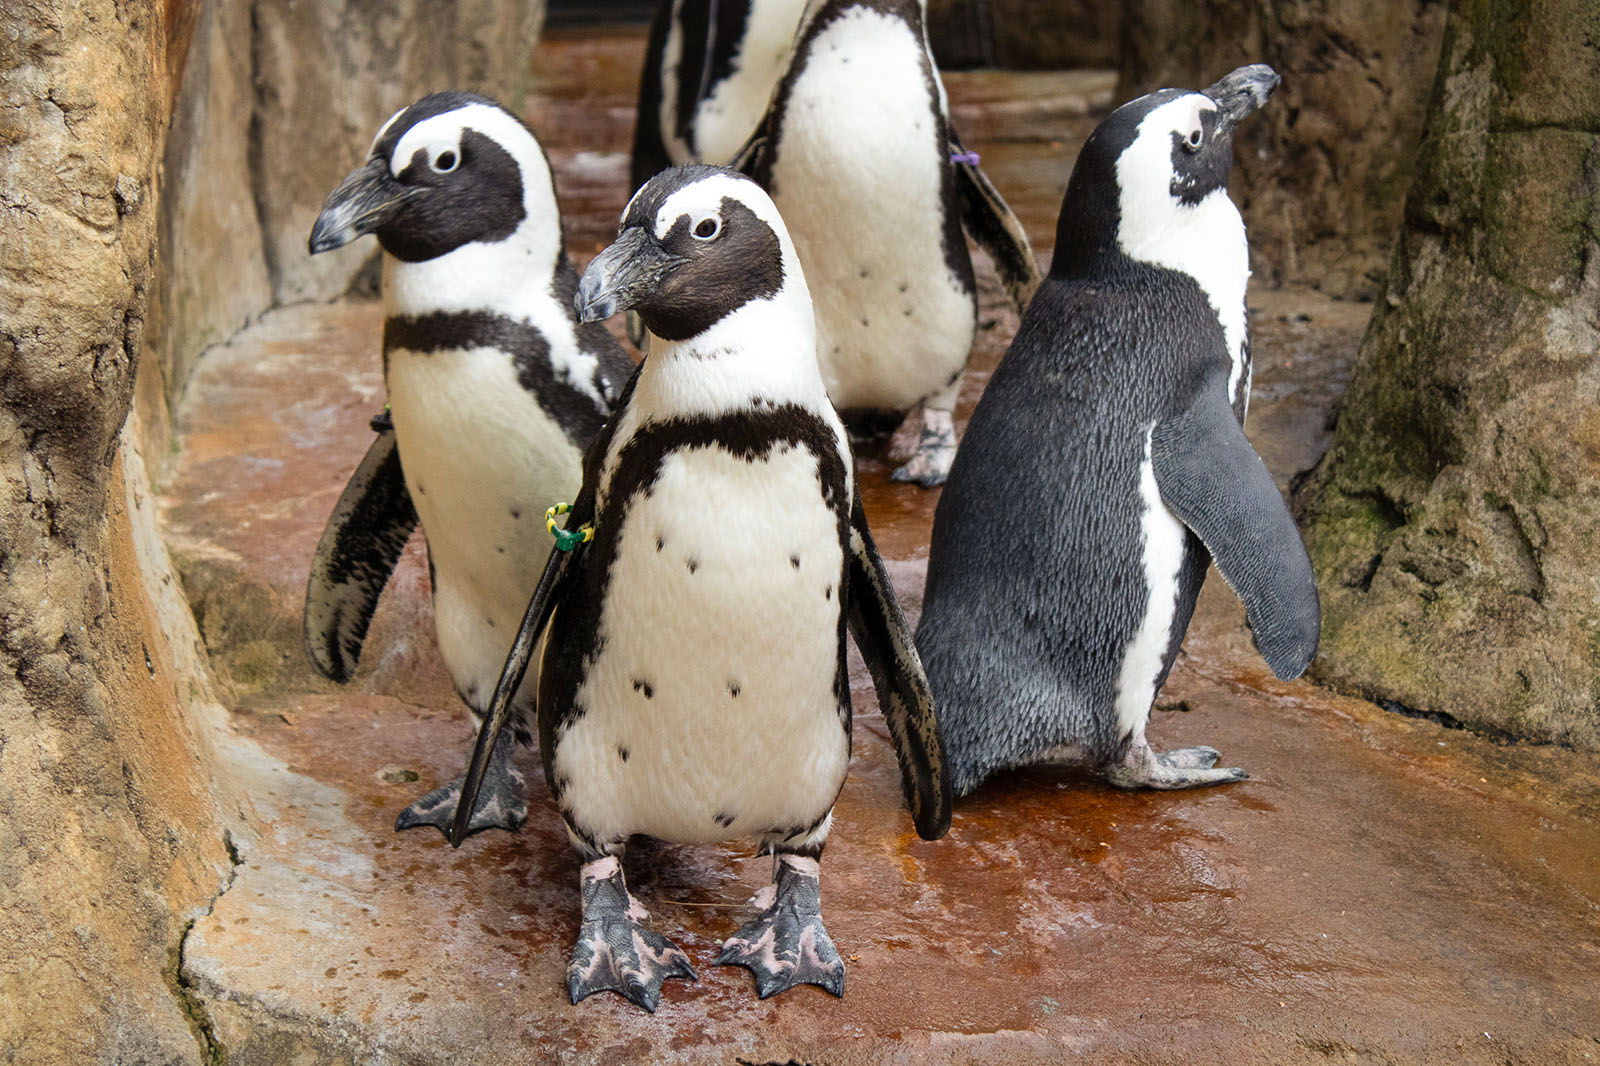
(495, 389)
(1106, 465)
(857, 151)
(709, 70)
(694, 684)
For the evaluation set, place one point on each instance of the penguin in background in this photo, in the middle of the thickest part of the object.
(694, 684)
(709, 71)
(857, 151)
(1106, 465)
(495, 390)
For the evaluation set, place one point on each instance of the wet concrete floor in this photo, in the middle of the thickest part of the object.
(1382, 890)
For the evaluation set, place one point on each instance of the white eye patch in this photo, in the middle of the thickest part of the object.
(1192, 128)
(439, 138)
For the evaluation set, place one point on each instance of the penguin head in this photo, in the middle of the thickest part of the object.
(696, 245)
(450, 170)
(1154, 169)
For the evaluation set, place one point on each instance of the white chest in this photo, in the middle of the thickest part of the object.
(1145, 657)
(857, 176)
(710, 712)
(482, 461)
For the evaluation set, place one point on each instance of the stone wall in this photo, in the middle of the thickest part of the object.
(278, 101)
(1455, 522)
(1025, 34)
(109, 831)
(1322, 173)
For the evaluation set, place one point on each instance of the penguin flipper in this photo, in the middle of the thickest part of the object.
(540, 607)
(903, 693)
(990, 222)
(1215, 483)
(360, 546)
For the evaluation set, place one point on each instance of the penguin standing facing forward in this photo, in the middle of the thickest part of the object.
(694, 685)
(1106, 464)
(709, 71)
(857, 152)
(494, 389)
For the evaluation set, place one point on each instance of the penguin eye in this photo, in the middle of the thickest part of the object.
(1193, 142)
(707, 228)
(444, 162)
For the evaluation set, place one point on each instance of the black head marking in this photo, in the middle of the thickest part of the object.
(469, 192)
(1086, 232)
(720, 262)
(1201, 160)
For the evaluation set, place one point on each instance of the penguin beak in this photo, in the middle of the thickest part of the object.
(623, 276)
(363, 202)
(1240, 93)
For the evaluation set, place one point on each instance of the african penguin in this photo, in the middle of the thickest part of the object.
(857, 152)
(1106, 465)
(694, 684)
(709, 70)
(494, 388)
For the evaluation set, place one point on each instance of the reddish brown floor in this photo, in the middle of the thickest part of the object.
(1382, 890)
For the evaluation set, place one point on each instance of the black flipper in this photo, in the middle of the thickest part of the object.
(903, 694)
(540, 607)
(360, 546)
(534, 619)
(990, 222)
(1213, 480)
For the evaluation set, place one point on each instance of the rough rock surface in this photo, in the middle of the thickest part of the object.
(1456, 521)
(1322, 172)
(110, 840)
(1024, 34)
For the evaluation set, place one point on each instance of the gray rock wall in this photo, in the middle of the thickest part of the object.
(277, 101)
(1455, 522)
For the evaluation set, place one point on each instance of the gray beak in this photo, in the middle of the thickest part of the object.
(623, 276)
(366, 199)
(1240, 93)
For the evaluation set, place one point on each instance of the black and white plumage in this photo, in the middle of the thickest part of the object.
(709, 70)
(1106, 464)
(494, 390)
(857, 152)
(694, 684)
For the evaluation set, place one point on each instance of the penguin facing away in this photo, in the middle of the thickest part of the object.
(709, 70)
(857, 152)
(495, 390)
(1106, 465)
(694, 684)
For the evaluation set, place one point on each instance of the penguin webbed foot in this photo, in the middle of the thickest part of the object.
(787, 944)
(930, 462)
(614, 952)
(1144, 767)
(502, 802)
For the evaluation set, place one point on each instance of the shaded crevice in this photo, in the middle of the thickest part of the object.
(1450, 721)
(187, 991)
(255, 156)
